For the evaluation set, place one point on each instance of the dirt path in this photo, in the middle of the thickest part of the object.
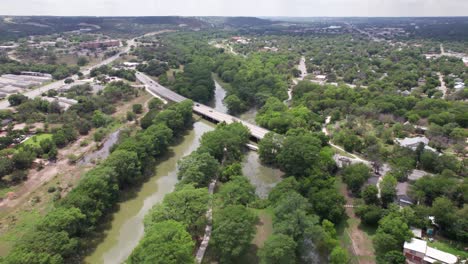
(443, 87)
(361, 243)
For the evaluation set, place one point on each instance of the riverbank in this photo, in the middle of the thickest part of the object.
(126, 226)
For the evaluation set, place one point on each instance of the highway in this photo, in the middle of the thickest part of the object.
(57, 84)
(200, 109)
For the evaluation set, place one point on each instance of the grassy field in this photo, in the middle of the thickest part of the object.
(353, 235)
(449, 248)
(36, 140)
(264, 230)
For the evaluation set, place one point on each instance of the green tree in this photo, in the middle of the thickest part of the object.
(391, 233)
(137, 108)
(82, 61)
(60, 219)
(299, 154)
(198, 168)
(234, 104)
(6, 166)
(226, 142)
(387, 190)
(126, 165)
(328, 203)
(278, 249)
(186, 205)
(339, 256)
(166, 242)
(17, 99)
(392, 257)
(238, 191)
(269, 147)
(283, 188)
(233, 230)
(23, 159)
(355, 176)
(155, 103)
(369, 195)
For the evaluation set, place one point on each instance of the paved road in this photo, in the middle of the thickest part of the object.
(155, 88)
(57, 84)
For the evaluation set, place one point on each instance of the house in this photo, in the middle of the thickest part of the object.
(459, 86)
(418, 252)
(413, 143)
(402, 196)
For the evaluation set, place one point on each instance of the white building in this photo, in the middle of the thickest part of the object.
(414, 142)
(417, 252)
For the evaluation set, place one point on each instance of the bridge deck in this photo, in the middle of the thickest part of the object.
(203, 110)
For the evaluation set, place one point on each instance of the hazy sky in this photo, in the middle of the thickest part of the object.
(236, 7)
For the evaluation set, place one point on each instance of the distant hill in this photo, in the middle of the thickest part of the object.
(17, 27)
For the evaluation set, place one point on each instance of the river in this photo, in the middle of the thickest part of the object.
(126, 227)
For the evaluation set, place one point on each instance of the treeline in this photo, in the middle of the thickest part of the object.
(195, 81)
(306, 204)
(128, 75)
(277, 117)
(173, 227)
(254, 79)
(62, 234)
(58, 71)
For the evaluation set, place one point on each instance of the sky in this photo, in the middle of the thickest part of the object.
(290, 8)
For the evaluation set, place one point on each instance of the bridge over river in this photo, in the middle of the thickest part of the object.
(207, 112)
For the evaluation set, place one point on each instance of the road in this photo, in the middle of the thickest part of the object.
(201, 109)
(4, 104)
(443, 86)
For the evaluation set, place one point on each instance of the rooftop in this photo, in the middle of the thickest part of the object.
(432, 254)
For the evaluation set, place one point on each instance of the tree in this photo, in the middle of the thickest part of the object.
(186, 205)
(130, 116)
(60, 219)
(6, 166)
(238, 191)
(355, 176)
(198, 168)
(99, 119)
(166, 242)
(234, 104)
(226, 142)
(126, 165)
(391, 233)
(444, 212)
(137, 108)
(369, 214)
(283, 188)
(269, 147)
(278, 249)
(17, 99)
(387, 190)
(233, 230)
(369, 195)
(299, 154)
(23, 159)
(339, 256)
(392, 257)
(155, 103)
(82, 61)
(328, 203)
